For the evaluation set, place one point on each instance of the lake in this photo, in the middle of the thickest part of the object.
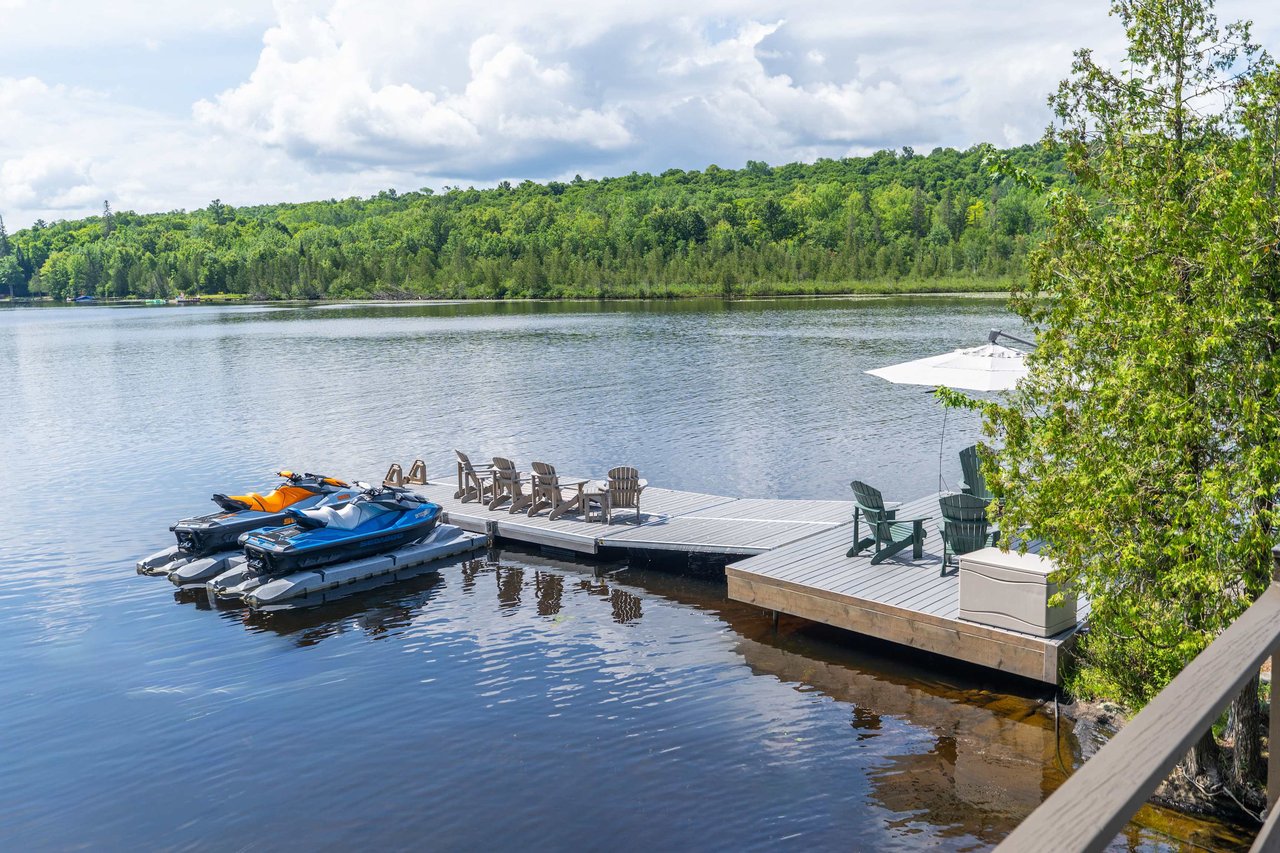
(512, 700)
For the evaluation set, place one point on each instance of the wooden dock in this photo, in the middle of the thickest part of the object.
(793, 562)
(902, 600)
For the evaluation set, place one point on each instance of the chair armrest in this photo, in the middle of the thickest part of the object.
(569, 483)
(890, 510)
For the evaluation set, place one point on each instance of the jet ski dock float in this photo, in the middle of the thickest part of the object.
(238, 582)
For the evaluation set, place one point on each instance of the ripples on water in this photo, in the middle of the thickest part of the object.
(508, 701)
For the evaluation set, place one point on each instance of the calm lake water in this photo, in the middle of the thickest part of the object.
(508, 701)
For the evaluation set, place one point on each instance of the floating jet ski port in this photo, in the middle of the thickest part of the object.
(312, 533)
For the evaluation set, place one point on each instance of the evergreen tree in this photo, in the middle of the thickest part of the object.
(1145, 444)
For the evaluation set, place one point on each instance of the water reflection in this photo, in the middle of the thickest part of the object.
(945, 757)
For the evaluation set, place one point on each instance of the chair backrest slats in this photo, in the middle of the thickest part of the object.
(965, 523)
(544, 476)
(869, 500)
(971, 469)
(624, 486)
(505, 470)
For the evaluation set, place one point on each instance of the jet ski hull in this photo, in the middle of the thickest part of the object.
(283, 551)
(208, 534)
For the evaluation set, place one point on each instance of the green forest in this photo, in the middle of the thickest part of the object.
(941, 221)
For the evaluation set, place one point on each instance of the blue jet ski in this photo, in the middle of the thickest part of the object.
(376, 521)
(208, 534)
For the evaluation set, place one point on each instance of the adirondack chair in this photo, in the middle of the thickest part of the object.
(508, 485)
(624, 488)
(964, 526)
(396, 476)
(474, 483)
(549, 491)
(971, 469)
(889, 534)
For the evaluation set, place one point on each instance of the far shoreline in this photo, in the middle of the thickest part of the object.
(1003, 291)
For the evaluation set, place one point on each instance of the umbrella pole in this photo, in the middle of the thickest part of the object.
(942, 440)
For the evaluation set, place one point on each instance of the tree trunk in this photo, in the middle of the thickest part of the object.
(1245, 725)
(1204, 762)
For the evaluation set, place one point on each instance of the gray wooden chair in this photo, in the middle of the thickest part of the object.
(549, 491)
(971, 469)
(889, 534)
(624, 489)
(474, 483)
(508, 485)
(965, 527)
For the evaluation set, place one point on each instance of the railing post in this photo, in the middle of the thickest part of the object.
(1273, 760)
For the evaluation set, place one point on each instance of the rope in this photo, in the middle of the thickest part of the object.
(1224, 790)
(1057, 739)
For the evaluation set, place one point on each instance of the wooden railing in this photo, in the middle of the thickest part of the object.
(1092, 807)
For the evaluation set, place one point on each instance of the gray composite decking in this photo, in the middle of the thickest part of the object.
(793, 562)
(903, 600)
(669, 520)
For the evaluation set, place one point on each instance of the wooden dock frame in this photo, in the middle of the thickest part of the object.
(793, 561)
(902, 600)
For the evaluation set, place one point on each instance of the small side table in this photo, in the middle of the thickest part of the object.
(597, 493)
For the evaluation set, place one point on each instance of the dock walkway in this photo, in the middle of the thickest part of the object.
(793, 560)
(670, 521)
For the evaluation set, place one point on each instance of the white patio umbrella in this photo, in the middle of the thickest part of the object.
(989, 367)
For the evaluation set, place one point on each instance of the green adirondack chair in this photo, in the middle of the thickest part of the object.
(964, 526)
(971, 468)
(889, 534)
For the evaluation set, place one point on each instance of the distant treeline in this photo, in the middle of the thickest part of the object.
(797, 228)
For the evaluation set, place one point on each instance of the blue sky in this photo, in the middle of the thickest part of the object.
(163, 105)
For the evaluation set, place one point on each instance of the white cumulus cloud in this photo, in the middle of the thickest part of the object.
(327, 98)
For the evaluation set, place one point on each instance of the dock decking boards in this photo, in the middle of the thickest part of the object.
(669, 520)
(793, 562)
(901, 600)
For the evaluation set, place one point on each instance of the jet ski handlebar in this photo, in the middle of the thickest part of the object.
(294, 477)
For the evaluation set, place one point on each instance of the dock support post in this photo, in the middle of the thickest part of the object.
(775, 622)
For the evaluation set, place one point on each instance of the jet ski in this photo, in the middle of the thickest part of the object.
(376, 521)
(207, 535)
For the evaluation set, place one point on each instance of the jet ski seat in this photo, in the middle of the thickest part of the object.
(348, 517)
(277, 500)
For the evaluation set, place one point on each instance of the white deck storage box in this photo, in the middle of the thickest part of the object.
(1011, 590)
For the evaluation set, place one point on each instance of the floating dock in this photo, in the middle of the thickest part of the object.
(670, 521)
(237, 583)
(794, 562)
